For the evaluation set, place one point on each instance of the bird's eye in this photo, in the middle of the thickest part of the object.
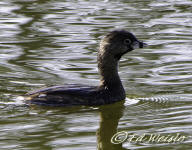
(127, 41)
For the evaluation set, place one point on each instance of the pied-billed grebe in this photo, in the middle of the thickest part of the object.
(112, 47)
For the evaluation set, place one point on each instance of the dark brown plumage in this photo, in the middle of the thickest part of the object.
(112, 47)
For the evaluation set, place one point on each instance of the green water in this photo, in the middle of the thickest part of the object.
(52, 42)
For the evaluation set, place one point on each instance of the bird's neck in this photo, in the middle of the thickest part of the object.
(108, 70)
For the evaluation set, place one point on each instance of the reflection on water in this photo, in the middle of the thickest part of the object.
(45, 43)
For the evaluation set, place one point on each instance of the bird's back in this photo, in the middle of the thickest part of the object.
(68, 95)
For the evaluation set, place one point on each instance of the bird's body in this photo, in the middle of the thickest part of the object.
(110, 90)
(77, 94)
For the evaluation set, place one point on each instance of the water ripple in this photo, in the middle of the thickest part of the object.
(46, 43)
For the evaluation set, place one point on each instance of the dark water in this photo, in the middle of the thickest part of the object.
(50, 42)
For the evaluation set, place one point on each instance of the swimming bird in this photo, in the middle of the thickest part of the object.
(110, 90)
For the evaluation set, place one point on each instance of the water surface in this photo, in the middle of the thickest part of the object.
(44, 43)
